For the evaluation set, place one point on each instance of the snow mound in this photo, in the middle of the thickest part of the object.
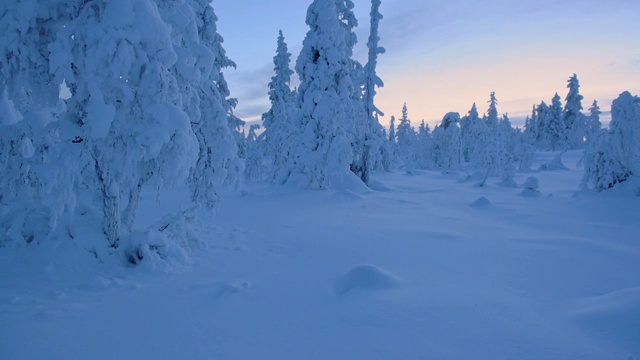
(481, 202)
(532, 183)
(554, 164)
(623, 303)
(368, 277)
(377, 185)
(531, 186)
(616, 314)
(232, 288)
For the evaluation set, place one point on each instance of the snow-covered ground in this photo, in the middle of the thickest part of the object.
(421, 268)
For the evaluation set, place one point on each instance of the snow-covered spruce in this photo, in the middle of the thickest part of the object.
(574, 120)
(447, 148)
(406, 142)
(374, 152)
(218, 163)
(278, 122)
(323, 152)
(254, 168)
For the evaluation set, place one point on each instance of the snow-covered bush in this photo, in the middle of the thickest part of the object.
(614, 157)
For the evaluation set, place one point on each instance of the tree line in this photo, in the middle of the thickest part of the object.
(100, 99)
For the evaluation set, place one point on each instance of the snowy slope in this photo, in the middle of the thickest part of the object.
(418, 269)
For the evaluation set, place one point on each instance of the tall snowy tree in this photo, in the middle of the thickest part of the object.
(123, 113)
(447, 146)
(472, 129)
(543, 116)
(424, 146)
(492, 112)
(492, 153)
(323, 150)
(508, 137)
(524, 149)
(593, 124)
(254, 168)
(279, 131)
(574, 119)
(392, 130)
(407, 141)
(392, 143)
(35, 171)
(204, 95)
(556, 128)
(373, 143)
(532, 126)
(217, 130)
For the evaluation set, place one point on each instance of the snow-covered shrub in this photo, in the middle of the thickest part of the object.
(555, 163)
(530, 187)
(614, 157)
(168, 241)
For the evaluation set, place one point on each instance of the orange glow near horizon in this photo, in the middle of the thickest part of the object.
(431, 89)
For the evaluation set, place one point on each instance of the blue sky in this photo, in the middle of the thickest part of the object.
(445, 55)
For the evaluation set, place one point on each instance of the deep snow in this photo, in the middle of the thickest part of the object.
(421, 268)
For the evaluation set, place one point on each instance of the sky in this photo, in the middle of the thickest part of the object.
(444, 55)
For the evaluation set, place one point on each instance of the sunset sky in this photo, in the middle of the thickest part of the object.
(444, 55)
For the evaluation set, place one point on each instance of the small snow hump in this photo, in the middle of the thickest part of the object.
(531, 186)
(368, 277)
(531, 183)
(481, 202)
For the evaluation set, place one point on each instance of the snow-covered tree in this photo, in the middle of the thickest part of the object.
(36, 175)
(254, 168)
(552, 129)
(217, 129)
(279, 131)
(491, 153)
(532, 126)
(472, 130)
(392, 143)
(593, 124)
(374, 144)
(492, 112)
(124, 112)
(556, 130)
(447, 146)
(392, 130)
(614, 157)
(508, 137)
(424, 146)
(323, 151)
(406, 136)
(574, 119)
(524, 149)
(28, 27)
